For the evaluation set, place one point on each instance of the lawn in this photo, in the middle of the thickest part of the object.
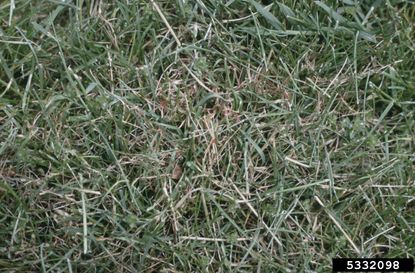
(205, 135)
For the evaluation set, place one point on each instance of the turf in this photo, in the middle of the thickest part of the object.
(205, 135)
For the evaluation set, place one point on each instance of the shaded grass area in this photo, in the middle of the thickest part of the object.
(205, 136)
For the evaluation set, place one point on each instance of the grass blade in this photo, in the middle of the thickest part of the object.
(334, 14)
(267, 15)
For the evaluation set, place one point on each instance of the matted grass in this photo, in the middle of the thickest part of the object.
(205, 135)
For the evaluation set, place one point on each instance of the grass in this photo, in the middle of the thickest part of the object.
(205, 136)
